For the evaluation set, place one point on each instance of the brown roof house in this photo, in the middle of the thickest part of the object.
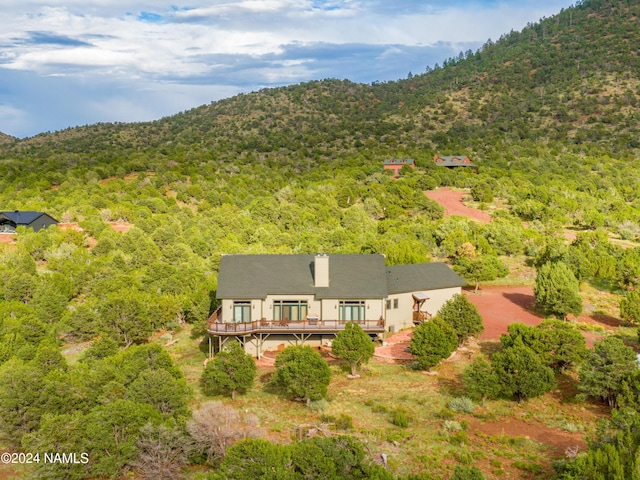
(271, 301)
(452, 161)
(396, 164)
(9, 221)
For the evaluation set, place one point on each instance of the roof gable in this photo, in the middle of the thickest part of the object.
(453, 161)
(25, 217)
(244, 277)
(257, 276)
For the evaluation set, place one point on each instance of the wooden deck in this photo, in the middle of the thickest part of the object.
(307, 326)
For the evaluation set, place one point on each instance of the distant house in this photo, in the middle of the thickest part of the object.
(271, 301)
(9, 221)
(452, 161)
(396, 164)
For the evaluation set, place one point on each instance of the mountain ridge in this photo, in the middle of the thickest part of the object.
(558, 83)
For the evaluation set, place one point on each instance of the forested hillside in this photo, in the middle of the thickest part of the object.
(549, 114)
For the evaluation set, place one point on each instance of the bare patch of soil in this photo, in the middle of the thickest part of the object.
(70, 226)
(502, 306)
(557, 439)
(6, 238)
(120, 226)
(453, 204)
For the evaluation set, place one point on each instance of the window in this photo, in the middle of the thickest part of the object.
(395, 303)
(241, 312)
(352, 311)
(293, 310)
(388, 304)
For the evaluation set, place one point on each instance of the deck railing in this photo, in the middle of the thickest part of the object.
(284, 326)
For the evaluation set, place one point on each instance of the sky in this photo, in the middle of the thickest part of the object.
(78, 62)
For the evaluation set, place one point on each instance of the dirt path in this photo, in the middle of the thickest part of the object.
(452, 203)
(395, 348)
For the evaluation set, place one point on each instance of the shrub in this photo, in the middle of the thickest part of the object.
(400, 418)
(452, 426)
(319, 405)
(344, 422)
(462, 404)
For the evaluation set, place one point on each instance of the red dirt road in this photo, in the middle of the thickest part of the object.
(452, 203)
(501, 306)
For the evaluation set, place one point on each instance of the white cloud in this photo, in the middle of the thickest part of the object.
(241, 45)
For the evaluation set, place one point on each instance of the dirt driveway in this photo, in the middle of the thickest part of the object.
(501, 306)
(452, 202)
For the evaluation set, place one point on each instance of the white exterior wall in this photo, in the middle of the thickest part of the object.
(402, 317)
(326, 309)
(227, 310)
(437, 298)
(313, 306)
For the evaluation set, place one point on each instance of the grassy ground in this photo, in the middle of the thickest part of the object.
(436, 438)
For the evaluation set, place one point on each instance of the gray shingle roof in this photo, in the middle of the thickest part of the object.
(256, 276)
(422, 276)
(350, 277)
(400, 161)
(22, 218)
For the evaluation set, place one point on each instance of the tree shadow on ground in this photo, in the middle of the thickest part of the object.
(203, 346)
(522, 300)
(489, 348)
(566, 388)
(452, 386)
(609, 321)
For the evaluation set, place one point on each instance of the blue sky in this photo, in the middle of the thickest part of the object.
(78, 62)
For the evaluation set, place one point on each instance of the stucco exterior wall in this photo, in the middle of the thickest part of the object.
(402, 317)
(326, 309)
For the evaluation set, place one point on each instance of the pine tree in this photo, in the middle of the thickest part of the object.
(231, 371)
(353, 345)
(557, 290)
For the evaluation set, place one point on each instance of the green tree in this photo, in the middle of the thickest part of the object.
(125, 315)
(609, 363)
(161, 390)
(481, 380)
(481, 268)
(522, 372)
(111, 433)
(563, 344)
(433, 341)
(302, 373)
(630, 307)
(231, 371)
(259, 459)
(560, 344)
(353, 345)
(463, 316)
(21, 402)
(557, 290)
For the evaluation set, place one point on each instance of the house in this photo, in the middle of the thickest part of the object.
(396, 164)
(271, 301)
(9, 221)
(453, 161)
